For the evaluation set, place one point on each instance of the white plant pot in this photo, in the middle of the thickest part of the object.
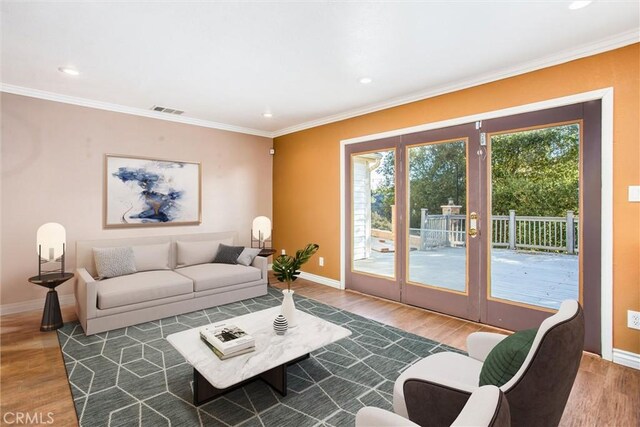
(289, 308)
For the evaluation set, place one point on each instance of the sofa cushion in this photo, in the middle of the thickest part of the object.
(151, 257)
(211, 276)
(227, 254)
(114, 262)
(192, 253)
(248, 255)
(140, 287)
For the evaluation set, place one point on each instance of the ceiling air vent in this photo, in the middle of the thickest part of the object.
(167, 110)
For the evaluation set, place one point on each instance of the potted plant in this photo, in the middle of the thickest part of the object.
(287, 269)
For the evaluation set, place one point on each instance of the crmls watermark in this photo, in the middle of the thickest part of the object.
(27, 418)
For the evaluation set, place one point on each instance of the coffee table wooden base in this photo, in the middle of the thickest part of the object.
(204, 392)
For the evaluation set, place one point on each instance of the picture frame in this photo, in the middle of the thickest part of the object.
(151, 192)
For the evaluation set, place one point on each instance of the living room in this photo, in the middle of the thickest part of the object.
(169, 135)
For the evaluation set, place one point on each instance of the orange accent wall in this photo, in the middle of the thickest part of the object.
(306, 178)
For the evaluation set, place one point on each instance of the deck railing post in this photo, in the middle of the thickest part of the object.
(569, 233)
(448, 231)
(512, 229)
(423, 233)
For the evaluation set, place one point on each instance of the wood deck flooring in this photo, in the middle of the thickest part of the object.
(537, 278)
(33, 377)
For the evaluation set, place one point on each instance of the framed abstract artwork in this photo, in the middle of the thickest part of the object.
(142, 192)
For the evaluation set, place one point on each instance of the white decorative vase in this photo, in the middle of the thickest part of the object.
(289, 308)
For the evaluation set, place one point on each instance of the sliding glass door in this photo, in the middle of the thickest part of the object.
(489, 221)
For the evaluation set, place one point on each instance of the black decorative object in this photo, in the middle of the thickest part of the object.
(51, 316)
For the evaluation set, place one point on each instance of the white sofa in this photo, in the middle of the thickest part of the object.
(187, 281)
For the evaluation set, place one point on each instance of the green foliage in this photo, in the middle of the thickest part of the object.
(437, 173)
(383, 197)
(287, 267)
(534, 172)
(379, 222)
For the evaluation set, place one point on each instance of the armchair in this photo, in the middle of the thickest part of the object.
(434, 390)
(487, 407)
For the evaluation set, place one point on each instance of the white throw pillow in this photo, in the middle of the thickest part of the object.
(151, 257)
(191, 253)
(248, 255)
(114, 262)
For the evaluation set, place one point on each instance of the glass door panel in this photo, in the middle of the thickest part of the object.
(535, 207)
(441, 262)
(373, 213)
(437, 200)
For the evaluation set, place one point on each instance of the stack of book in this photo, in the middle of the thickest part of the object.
(227, 340)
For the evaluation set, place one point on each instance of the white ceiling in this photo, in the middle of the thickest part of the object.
(229, 62)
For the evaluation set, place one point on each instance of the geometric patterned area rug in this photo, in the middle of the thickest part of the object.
(134, 377)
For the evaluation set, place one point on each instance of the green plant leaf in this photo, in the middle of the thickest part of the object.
(287, 268)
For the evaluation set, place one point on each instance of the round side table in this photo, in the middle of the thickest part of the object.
(51, 317)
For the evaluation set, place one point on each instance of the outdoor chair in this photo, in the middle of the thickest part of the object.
(434, 390)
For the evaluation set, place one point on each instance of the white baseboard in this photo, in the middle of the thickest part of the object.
(34, 304)
(315, 278)
(320, 279)
(626, 358)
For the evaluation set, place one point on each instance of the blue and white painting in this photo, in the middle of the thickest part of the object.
(151, 192)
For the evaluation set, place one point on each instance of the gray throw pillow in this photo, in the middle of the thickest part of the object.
(114, 262)
(227, 254)
(248, 255)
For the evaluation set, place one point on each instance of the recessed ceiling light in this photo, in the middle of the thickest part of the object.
(366, 80)
(267, 115)
(579, 4)
(70, 71)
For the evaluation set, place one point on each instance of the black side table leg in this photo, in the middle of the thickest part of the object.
(51, 317)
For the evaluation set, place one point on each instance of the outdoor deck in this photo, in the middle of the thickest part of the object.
(537, 278)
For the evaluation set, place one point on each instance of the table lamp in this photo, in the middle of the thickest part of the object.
(51, 241)
(261, 231)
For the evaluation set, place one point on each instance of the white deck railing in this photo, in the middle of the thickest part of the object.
(558, 234)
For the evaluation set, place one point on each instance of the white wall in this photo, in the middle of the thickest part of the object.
(52, 167)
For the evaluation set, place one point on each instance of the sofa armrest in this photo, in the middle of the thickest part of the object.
(376, 417)
(480, 344)
(261, 263)
(86, 293)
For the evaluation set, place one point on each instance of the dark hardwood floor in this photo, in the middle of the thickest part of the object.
(33, 377)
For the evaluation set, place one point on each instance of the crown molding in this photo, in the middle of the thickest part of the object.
(609, 43)
(604, 45)
(85, 102)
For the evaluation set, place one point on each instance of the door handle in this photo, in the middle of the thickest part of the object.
(473, 224)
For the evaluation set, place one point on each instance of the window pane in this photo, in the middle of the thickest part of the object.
(535, 209)
(373, 213)
(437, 215)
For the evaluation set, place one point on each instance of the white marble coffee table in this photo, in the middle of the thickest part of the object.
(269, 361)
